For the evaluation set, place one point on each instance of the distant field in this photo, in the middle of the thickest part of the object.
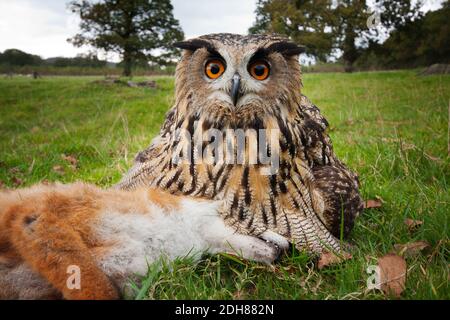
(391, 127)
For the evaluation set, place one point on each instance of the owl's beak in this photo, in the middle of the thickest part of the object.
(235, 87)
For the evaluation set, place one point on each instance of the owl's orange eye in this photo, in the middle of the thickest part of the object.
(214, 68)
(259, 70)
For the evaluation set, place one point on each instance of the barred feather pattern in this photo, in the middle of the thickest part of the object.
(284, 202)
(312, 199)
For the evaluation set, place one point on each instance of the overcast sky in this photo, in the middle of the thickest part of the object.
(42, 26)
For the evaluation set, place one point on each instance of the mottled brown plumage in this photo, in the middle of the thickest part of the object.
(311, 192)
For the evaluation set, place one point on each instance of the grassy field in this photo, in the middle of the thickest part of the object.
(391, 127)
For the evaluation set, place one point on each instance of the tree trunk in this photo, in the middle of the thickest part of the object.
(127, 64)
(348, 66)
(350, 52)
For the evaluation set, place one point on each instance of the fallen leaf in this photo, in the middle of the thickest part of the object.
(59, 170)
(35, 129)
(71, 159)
(432, 158)
(14, 170)
(408, 146)
(372, 203)
(290, 269)
(45, 182)
(330, 258)
(17, 181)
(413, 224)
(411, 249)
(238, 295)
(392, 274)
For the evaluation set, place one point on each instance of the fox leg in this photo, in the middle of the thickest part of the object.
(52, 248)
(251, 248)
(224, 238)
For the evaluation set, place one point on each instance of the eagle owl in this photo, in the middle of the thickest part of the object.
(227, 82)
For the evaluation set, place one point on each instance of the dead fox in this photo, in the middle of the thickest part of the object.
(108, 236)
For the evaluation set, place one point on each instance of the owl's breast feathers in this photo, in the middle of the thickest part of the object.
(309, 198)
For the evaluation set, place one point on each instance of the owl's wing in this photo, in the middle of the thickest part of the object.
(336, 186)
(317, 144)
(150, 161)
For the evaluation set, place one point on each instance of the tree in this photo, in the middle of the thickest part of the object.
(81, 60)
(418, 42)
(415, 39)
(323, 26)
(132, 28)
(349, 26)
(15, 57)
(394, 14)
(306, 22)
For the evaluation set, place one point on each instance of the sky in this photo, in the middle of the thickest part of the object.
(42, 26)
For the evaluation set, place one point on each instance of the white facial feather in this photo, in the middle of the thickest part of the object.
(235, 64)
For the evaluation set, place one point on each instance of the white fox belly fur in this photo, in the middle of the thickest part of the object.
(192, 229)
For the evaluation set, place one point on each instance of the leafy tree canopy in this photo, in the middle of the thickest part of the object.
(332, 28)
(15, 57)
(323, 26)
(135, 29)
(417, 42)
(306, 22)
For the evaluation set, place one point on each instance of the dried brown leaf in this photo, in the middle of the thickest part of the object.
(14, 170)
(432, 158)
(330, 258)
(349, 121)
(392, 274)
(35, 129)
(413, 224)
(59, 170)
(411, 249)
(290, 269)
(17, 181)
(70, 159)
(372, 203)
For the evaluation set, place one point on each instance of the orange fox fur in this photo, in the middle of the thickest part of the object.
(46, 229)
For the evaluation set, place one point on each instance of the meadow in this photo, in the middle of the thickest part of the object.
(390, 127)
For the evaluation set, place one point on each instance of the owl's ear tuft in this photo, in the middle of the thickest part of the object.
(194, 44)
(286, 48)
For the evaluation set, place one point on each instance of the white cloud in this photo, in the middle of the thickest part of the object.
(43, 26)
(34, 27)
(198, 17)
(431, 5)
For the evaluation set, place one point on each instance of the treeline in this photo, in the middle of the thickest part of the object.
(15, 57)
(20, 62)
(385, 35)
(338, 35)
(422, 42)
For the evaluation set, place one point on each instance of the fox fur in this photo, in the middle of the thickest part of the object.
(109, 235)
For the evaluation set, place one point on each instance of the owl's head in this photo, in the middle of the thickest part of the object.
(231, 77)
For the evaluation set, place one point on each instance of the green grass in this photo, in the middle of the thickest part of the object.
(391, 127)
